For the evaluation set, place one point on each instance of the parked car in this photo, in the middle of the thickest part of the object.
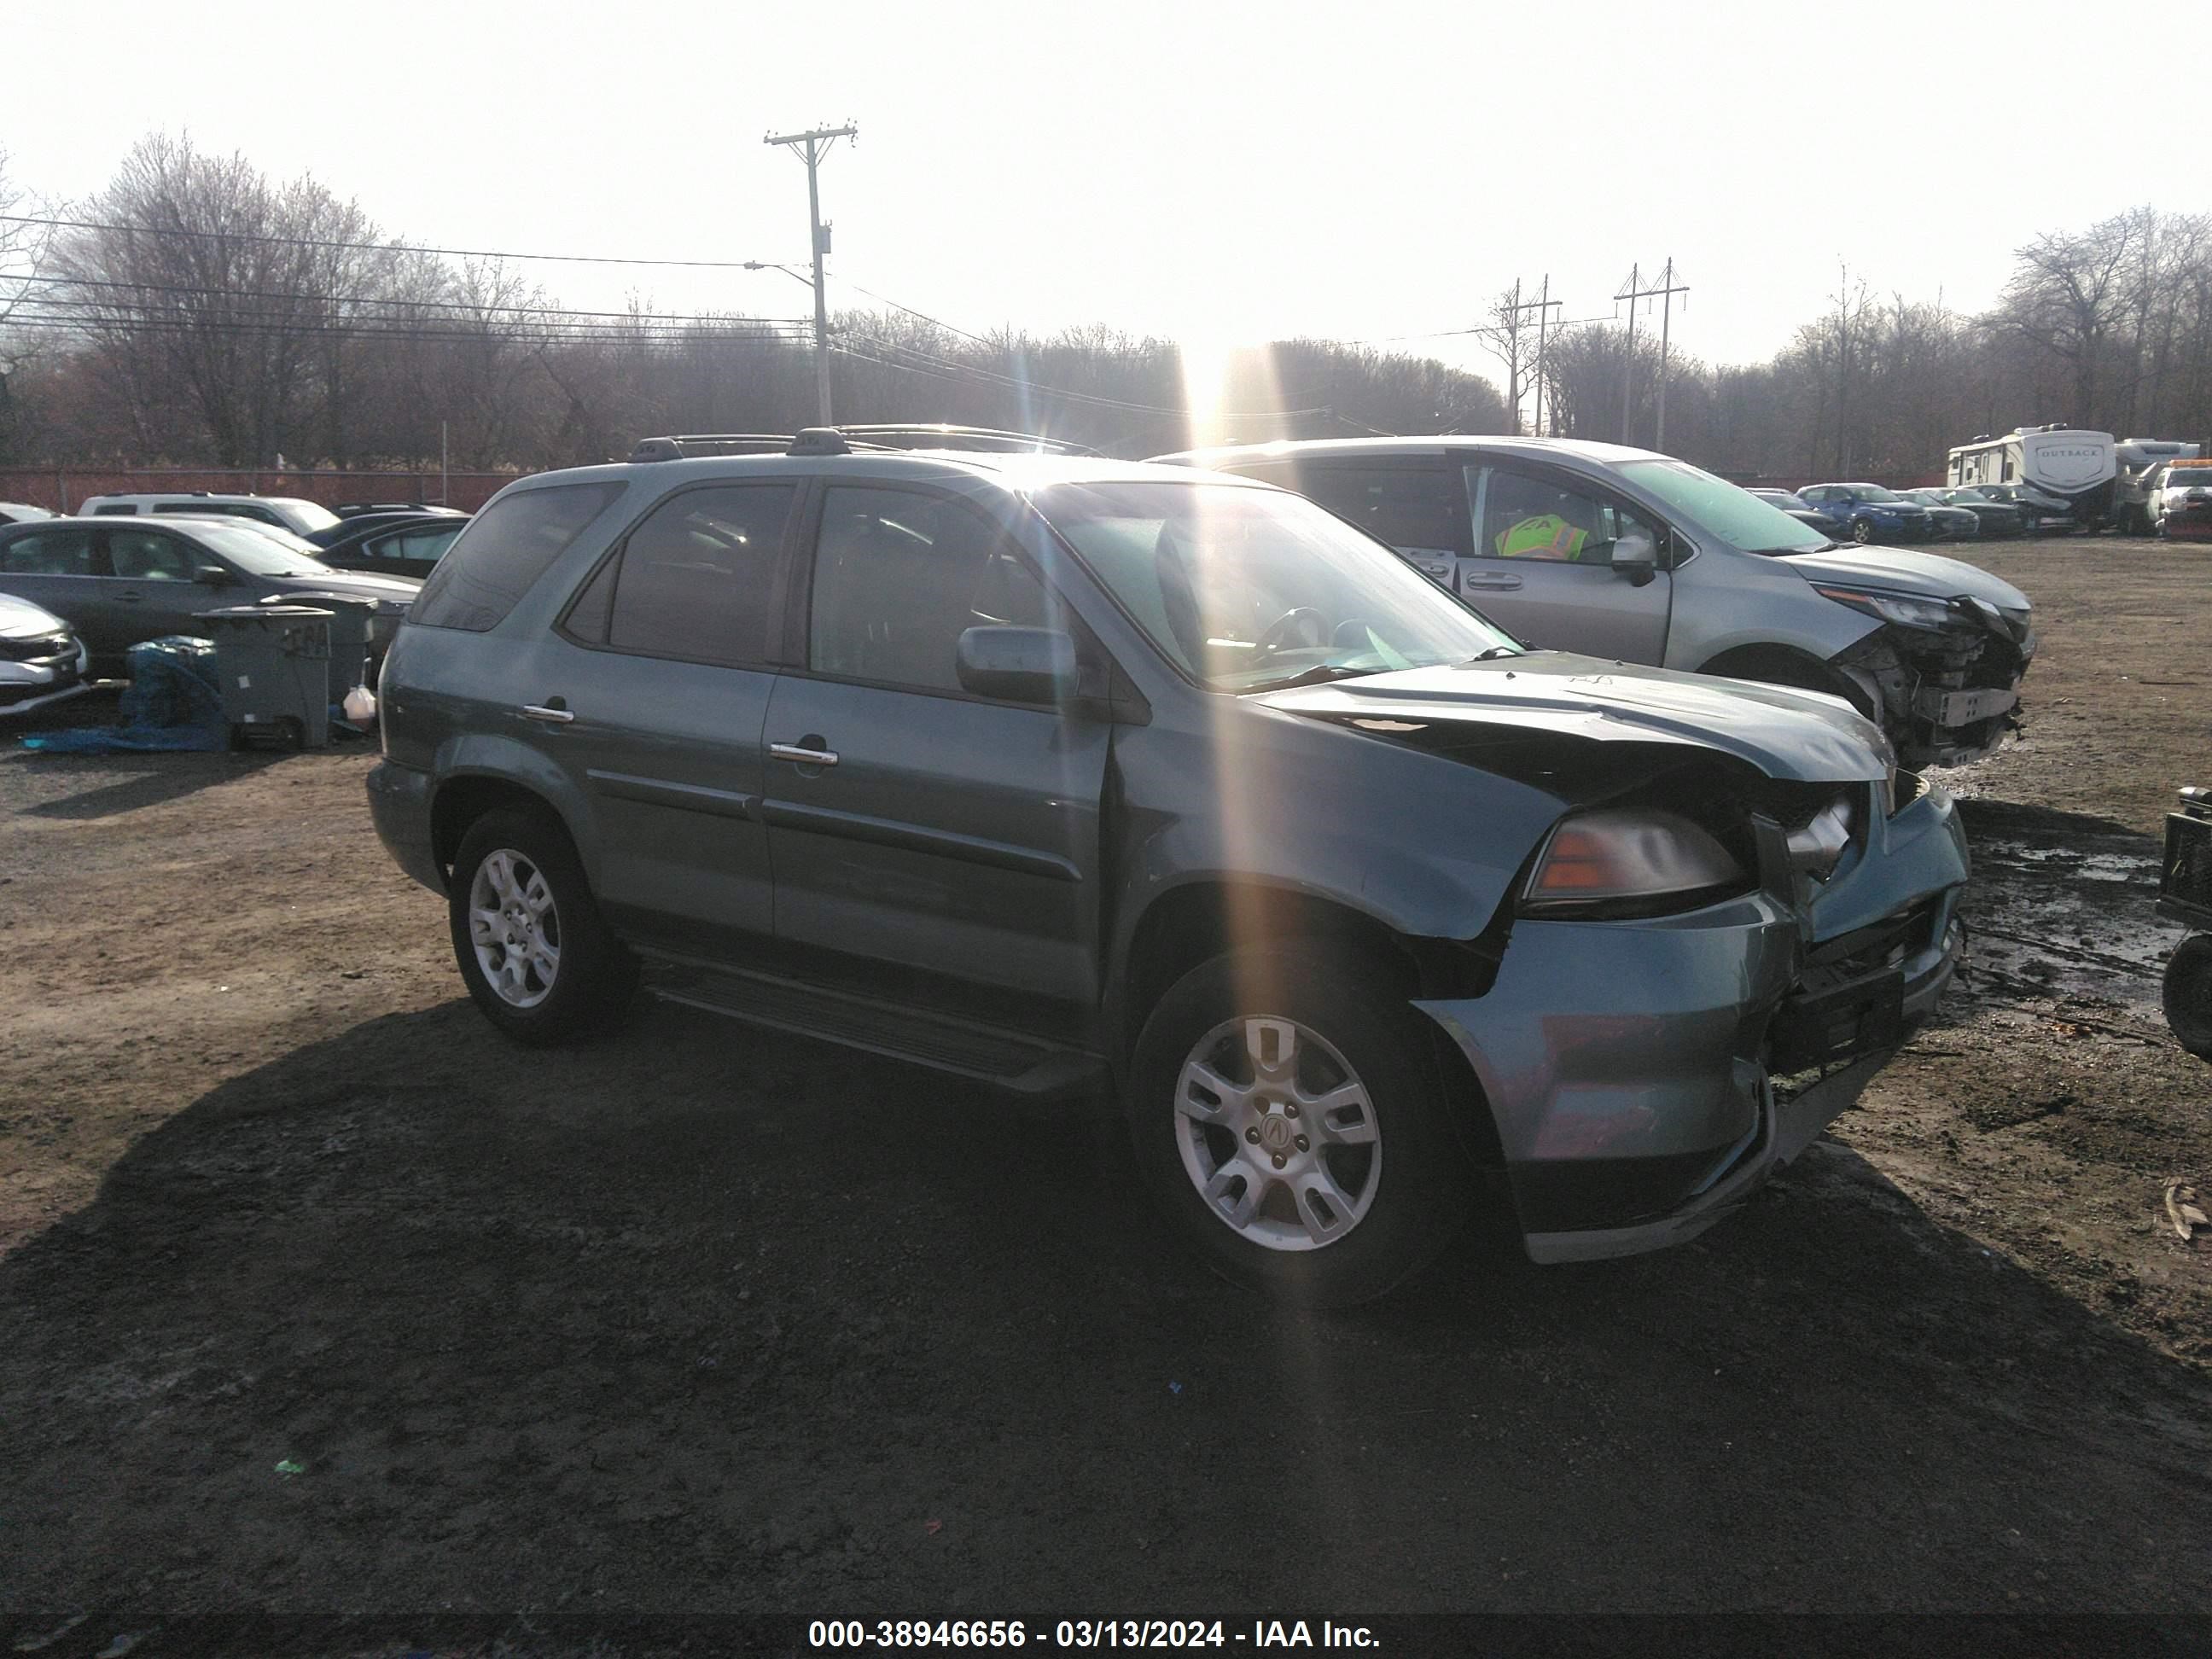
(393, 546)
(357, 521)
(42, 659)
(1647, 559)
(291, 512)
(1872, 513)
(1953, 524)
(22, 513)
(117, 583)
(2180, 500)
(356, 509)
(1042, 770)
(1805, 513)
(1997, 519)
(2039, 515)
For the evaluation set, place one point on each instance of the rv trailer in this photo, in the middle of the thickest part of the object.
(2064, 468)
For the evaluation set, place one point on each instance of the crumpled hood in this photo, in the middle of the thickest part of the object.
(1894, 570)
(1798, 735)
(21, 620)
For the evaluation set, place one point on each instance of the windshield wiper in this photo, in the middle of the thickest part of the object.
(1319, 674)
(1494, 653)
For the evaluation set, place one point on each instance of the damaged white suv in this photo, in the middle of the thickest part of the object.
(1626, 554)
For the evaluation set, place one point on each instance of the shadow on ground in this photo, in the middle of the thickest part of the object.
(707, 1320)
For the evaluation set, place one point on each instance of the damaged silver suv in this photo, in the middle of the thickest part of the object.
(1628, 553)
(1055, 772)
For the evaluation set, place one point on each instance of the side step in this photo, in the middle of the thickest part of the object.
(944, 1043)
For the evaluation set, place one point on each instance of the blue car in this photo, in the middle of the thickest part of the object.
(1871, 513)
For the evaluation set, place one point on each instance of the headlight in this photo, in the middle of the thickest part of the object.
(1627, 861)
(1907, 613)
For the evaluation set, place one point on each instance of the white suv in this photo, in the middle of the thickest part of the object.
(291, 512)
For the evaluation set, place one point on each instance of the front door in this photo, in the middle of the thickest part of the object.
(1543, 566)
(650, 696)
(151, 584)
(912, 823)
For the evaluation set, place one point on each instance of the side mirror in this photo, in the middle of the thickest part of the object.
(212, 576)
(1017, 664)
(1636, 556)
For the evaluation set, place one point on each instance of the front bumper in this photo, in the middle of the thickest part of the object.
(399, 806)
(34, 685)
(1630, 1067)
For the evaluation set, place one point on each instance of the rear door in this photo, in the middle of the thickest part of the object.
(57, 567)
(1543, 565)
(912, 823)
(652, 702)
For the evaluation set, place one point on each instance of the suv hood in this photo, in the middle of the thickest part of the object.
(1894, 570)
(1802, 736)
(347, 584)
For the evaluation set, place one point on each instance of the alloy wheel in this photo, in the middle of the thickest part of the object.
(514, 926)
(1277, 1132)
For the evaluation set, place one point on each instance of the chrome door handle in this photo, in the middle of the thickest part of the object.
(551, 716)
(803, 755)
(1491, 584)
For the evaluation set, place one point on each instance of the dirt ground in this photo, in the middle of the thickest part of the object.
(706, 1321)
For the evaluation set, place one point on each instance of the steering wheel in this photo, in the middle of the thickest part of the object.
(1303, 620)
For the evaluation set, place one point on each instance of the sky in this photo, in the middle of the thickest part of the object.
(1219, 173)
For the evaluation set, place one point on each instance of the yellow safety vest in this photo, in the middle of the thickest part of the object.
(1549, 536)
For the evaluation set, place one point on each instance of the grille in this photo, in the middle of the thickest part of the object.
(33, 649)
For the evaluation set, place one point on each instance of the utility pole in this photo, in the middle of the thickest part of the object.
(810, 148)
(1634, 291)
(1544, 306)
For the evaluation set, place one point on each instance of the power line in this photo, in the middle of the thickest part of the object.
(472, 308)
(372, 248)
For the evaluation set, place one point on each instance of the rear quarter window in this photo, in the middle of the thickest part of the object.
(503, 552)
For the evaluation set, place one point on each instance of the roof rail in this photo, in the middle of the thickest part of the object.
(844, 439)
(940, 435)
(685, 444)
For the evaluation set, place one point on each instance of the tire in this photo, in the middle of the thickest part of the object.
(2188, 993)
(1354, 1211)
(1861, 532)
(535, 885)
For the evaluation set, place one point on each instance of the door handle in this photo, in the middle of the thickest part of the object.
(132, 599)
(807, 751)
(1492, 584)
(551, 716)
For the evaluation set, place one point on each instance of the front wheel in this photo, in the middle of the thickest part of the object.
(1288, 1117)
(532, 948)
(1861, 532)
(2189, 993)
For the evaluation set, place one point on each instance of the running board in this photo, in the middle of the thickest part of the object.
(944, 1043)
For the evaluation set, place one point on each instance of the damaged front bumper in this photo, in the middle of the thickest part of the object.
(1645, 1077)
(1944, 696)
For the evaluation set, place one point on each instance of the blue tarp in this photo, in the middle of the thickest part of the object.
(173, 701)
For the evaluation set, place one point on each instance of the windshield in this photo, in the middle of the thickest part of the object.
(259, 553)
(1733, 513)
(1784, 500)
(1248, 589)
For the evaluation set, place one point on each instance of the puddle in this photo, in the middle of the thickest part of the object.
(2071, 921)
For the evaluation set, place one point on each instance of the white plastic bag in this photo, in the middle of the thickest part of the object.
(360, 705)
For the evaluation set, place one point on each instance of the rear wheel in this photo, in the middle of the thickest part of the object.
(532, 948)
(1287, 1116)
(2189, 993)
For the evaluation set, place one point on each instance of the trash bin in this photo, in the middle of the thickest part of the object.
(359, 630)
(274, 662)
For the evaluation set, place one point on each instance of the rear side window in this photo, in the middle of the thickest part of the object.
(48, 553)
(114, 507)
(505, 550)
(1405, 507)
(695, 580)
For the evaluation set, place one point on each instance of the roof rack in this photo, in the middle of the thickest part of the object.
(844, 439)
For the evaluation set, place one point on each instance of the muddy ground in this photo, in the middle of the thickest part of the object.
(706, 1321)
